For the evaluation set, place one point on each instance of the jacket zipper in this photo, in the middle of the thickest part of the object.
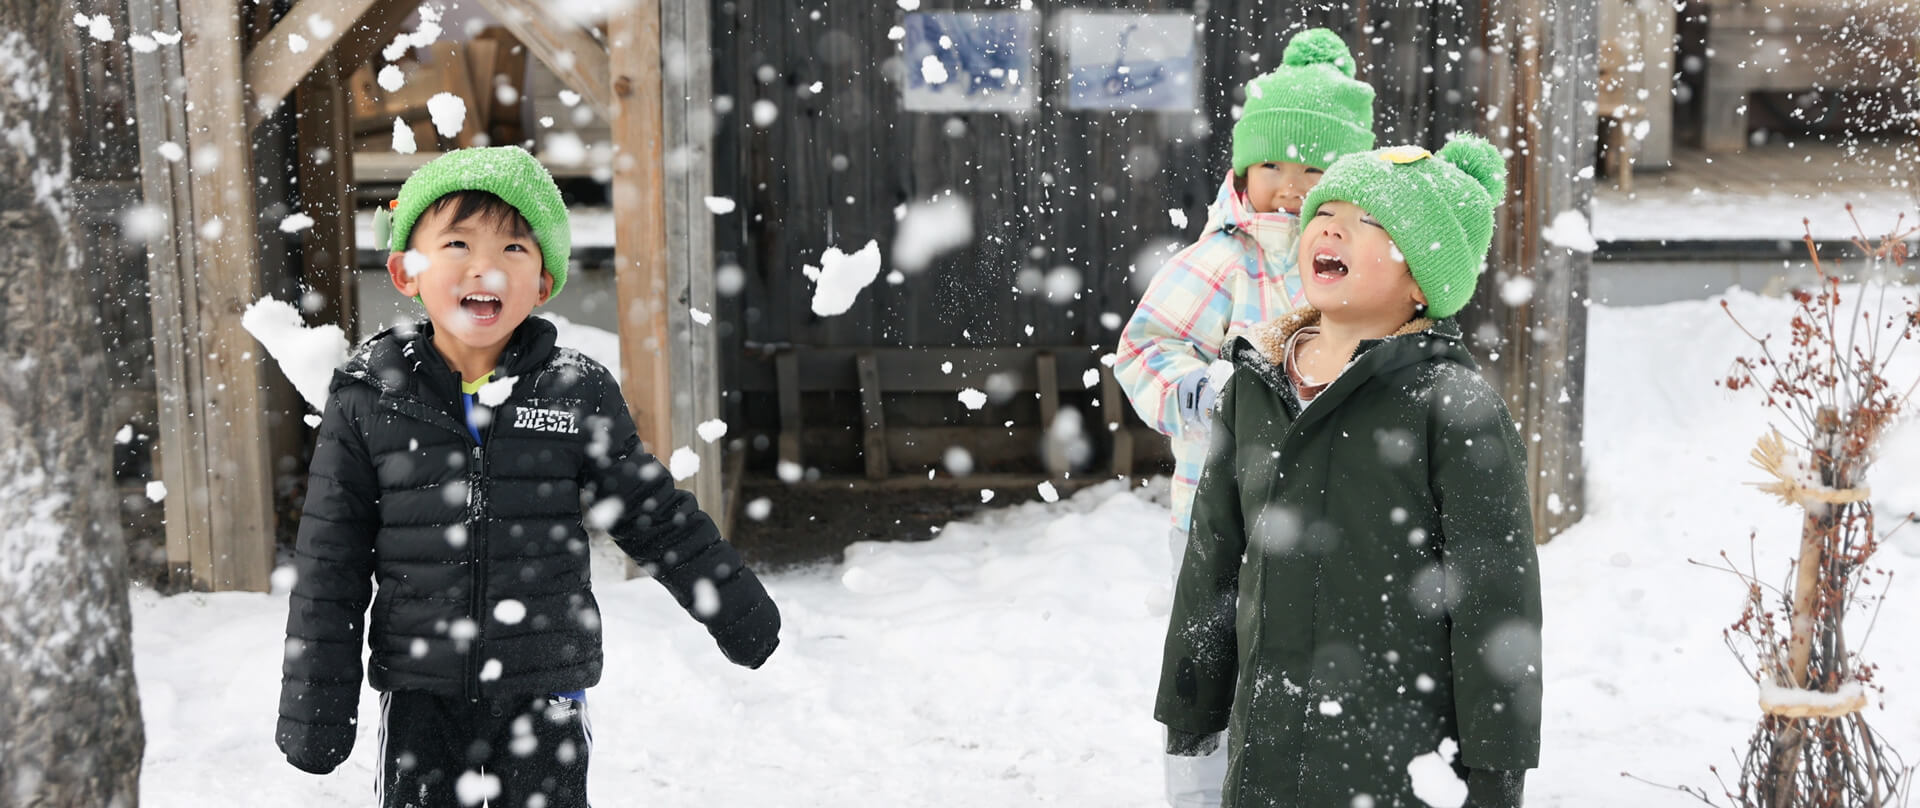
(477, 579)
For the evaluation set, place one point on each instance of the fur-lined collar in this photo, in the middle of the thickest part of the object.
(1270, 338)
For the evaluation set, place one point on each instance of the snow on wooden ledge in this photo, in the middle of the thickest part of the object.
(1794, 702)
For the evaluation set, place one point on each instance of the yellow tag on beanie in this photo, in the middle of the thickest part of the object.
(1402, 155)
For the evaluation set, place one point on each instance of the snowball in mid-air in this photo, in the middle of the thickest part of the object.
(684, 463)
(840, 277)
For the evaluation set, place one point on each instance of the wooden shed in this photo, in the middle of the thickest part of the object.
(747, 139)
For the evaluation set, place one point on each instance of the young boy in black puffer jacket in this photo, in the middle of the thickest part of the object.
(451, 465)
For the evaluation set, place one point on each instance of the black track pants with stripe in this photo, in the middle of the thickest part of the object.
(524, 752)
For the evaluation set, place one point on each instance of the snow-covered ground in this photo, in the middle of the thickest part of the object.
(1012, 660)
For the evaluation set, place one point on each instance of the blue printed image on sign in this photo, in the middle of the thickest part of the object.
(960, 61)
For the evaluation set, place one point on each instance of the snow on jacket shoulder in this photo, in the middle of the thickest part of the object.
(479, 548)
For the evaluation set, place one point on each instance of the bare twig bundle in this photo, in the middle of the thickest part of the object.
(1813, 747)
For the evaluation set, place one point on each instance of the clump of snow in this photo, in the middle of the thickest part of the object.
(1434, 780)
(759, 509)
(306, 355)
(495, 392)
(510, 612)
(474, 788)
(295, 223)
(699, 317)
(1090, 379)
(1179, 216)
(99, 26)
(403, 137)
(171, 151)
(706, 598)
(490, 672)
(711, 431)
(296, 43)
(1048, 493)
(765, 112)
(141, 43)
(986, 495)
(933, 70)
(124, 436)
(449, 113)
(563, 148)
(719, 205)
(972, 398)
(156, 490)
(684, 463)
(1517, 291)
(840, 277)
(391, 79)
(414, 262)
(928, 229)
(1570, 230)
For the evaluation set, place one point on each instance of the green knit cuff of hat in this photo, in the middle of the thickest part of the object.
(508, 172)
(1308, 110)
(1437, 208)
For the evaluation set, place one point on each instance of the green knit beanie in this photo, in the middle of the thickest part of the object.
(1308, 110)
(1437, 208)
(508, 172)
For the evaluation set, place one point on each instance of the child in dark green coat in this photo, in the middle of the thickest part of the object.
(1360, 585)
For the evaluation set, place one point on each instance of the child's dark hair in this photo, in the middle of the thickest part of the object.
(489, 209)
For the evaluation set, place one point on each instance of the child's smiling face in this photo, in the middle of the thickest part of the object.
(1278, 186)
(1352, 269)
(479, 277)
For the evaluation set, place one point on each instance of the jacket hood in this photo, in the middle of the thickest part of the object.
(387, 360)
(1264, 346)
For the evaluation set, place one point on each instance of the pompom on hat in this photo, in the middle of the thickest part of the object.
(1438, 208)
(508, 172)
(1309, 110)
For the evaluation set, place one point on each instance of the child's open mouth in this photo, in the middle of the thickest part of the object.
(481, 306)
(1328, 267)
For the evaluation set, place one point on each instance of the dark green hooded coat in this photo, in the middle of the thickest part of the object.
(1360, 582)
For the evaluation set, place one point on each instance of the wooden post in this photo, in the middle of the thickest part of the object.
(170, 259)
(326, 172)
(1114, 407)
(223, 400)
(1544, 76)
(874, 433)
(687, 121)
(640, 230)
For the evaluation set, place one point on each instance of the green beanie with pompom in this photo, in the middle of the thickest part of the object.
(1438, 209)
(1308, 110)
(508, 172)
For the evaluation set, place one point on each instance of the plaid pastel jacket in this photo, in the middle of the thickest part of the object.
(1240, 272)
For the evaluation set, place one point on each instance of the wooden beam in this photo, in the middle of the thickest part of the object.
(165, 188)
(227, 407)
(574, 56)
(274, 68)
(325, 149)
(371, 33)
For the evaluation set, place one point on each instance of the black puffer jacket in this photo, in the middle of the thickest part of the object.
(479, 548)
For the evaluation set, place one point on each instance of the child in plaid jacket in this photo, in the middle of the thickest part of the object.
(1240, 272)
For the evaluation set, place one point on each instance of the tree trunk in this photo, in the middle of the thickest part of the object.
(70, 730)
